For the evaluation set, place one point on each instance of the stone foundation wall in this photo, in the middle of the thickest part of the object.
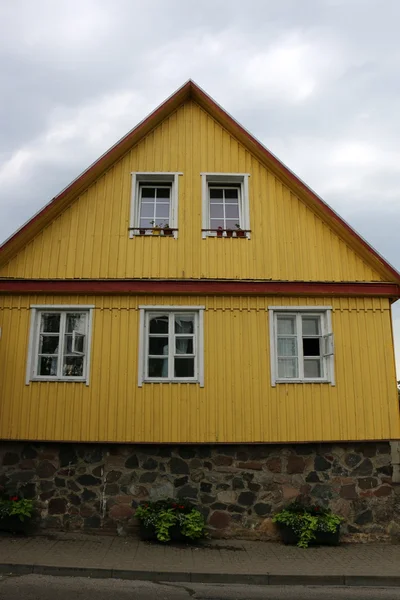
(238, 488)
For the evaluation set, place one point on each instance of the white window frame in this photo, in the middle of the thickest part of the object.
(145, 312)
(328, 350)
(239, 179)
(139, 178)
(33, 345)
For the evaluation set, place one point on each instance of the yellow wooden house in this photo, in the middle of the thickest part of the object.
(189, 317)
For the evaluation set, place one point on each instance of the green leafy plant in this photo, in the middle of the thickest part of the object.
(163, 515)
(306, 520)
(13, 505)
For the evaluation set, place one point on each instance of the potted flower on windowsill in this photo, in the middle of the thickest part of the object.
(304, 525)
(170, 520)
(220, 232)
(239, 231)
(167, 230)
(15, 513)
(156, 228)
(229, 233)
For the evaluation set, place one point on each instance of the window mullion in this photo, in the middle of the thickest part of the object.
(61, 344)
(300, 354)
(195, 346)
(146, 345)
(223, 204)
(241, 220)
(171, 345)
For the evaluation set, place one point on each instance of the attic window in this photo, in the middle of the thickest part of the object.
(225, 205)
(154, 205)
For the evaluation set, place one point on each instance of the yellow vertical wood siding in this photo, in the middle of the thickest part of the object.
(90, 238)
(237, 403)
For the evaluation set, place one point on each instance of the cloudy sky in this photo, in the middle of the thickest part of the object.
(317, 81)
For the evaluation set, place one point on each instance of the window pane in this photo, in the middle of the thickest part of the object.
(48, 344)
(232, 211)
(184, 367)
(158, 345)
(287, 368)
(311, 346)
(216, 194)
(79, 344)
(162, 211)
(184, 324)
(50, 322)
(47, 366)
(184, 345)
(286, 325)
(231, 193)
(287, 346)
(158, 367)
(73, 366)
(76, 322)
(231, 223)
(159, 324)
(312, 368)
(311, 325)
(216, 211)
(148, 192)
(163, 192)
(147, 210)
(146, 223)
(215, 223)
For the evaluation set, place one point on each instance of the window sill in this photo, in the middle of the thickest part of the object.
(151, 232)
(171, 381)
(302, 381)
(59, 379)
(242, 234)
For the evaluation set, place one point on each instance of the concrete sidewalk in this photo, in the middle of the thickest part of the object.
(216, 561)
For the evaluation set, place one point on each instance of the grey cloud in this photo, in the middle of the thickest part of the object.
(310, 79)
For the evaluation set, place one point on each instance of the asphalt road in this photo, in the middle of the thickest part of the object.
(44, 587)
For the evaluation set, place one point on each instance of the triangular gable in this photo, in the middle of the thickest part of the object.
(192, 91)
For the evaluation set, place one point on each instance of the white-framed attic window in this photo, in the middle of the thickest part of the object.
(225, 205)
(154, 204)
(301, 344)
(171, 344)
(59, 343)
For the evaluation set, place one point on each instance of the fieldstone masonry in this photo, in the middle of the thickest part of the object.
(238, 487)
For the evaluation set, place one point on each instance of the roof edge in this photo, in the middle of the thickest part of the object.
(190, 89)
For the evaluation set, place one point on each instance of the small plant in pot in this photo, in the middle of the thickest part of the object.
(15, 512)
(170, 520)
(306, 524)
(229, 233)
(167, 230)
(156, 228)
(239, 231)
(142, 231)
(220, 232)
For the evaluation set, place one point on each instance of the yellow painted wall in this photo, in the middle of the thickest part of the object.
(237, 403)
(90, 239)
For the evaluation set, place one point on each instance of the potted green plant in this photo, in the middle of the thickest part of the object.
(170, 520)
(156, 228)
(229, 233)
(220, 232)
(239, 231)
(167, 230)
(304, 524)
(15, 513)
